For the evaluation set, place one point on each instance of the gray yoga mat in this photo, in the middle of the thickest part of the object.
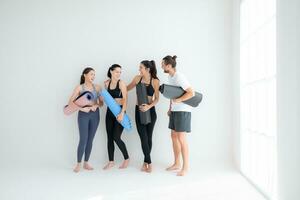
(173, 92)
(142, 98)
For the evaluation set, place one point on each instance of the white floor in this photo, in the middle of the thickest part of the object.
(59, 182)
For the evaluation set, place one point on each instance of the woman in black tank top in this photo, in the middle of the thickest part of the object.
(117, 89)
(149, 78)
(115, 93)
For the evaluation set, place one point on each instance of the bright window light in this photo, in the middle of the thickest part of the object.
(258, 93)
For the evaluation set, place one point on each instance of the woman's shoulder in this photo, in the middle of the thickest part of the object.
(78, 87)
(155, 81)
(121, 82)
(106, 82)
(137, 78)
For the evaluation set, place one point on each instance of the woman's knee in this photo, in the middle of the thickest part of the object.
(117, 139)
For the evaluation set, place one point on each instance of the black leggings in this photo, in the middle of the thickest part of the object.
(145, 132)
(114, 131)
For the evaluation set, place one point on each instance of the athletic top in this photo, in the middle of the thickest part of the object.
(115, 93)
(94, 92)
(178, 79)
(149, 87)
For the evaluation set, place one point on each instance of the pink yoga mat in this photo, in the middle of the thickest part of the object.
(81, 101)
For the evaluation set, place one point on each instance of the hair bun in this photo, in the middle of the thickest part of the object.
(174, 57)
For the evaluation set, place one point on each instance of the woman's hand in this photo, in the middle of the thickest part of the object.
(94, 107)
(144, 107)
(120, 117)
(85, 109)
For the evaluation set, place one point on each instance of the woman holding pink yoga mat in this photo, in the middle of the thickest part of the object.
(88, 117)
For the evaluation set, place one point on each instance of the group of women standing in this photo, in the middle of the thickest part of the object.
(89, 117)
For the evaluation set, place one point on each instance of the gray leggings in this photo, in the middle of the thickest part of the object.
(88, 124)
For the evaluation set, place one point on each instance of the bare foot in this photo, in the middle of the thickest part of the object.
(149, 169)
(109, 165)
(173, 167)
(87, 166)
(77, 168)
(144, 167)
(182, 172)
(124, 164)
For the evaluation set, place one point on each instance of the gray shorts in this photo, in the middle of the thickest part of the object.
(180, 121)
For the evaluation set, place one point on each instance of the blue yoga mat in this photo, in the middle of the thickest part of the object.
(115, 108)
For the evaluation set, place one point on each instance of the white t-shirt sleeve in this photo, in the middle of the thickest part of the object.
(183, 82)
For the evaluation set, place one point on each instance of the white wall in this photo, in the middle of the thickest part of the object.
(46, 44)
(236, 84)
(288, 30)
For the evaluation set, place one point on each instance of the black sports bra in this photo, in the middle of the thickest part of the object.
(115, 93)
(149, 87)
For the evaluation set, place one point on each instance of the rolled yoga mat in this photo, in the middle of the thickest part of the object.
(142, 98)
(115, 108)
(81, 101)
(173, 92)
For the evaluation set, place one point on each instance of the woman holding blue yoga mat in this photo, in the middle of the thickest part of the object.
(117, 89)
(88, 117)
(148, 79)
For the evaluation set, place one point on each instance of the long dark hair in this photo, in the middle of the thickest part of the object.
(151, 66)
(112, 68)
(170, 60)
(85, 71)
